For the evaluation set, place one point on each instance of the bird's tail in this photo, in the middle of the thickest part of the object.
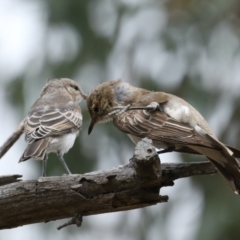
(224, 160)
(36, 150)
(230, 172)
(236, 152)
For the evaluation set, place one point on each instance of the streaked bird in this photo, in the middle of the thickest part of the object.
(53, 121)
(172, 124)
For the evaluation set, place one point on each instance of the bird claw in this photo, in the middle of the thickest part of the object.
(153, 106)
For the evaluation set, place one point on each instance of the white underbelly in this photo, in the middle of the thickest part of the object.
(62, 144)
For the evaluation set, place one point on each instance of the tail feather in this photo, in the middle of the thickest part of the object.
(36, 150)
(224, 160)
(230, 173)
(236, 152)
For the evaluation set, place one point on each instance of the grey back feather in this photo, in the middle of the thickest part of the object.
(123, 92)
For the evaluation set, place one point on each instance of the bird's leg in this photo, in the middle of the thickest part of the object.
(170, 149)
(44, 165)
(63, 162)
(119, 109)
(125, 108)
(151, 107)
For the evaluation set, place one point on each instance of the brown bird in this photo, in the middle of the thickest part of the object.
(171, 123)
(53, 121)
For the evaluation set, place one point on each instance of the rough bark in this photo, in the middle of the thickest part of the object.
(131, 186)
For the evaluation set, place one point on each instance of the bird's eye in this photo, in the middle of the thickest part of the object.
(95, 109)
(75, 87)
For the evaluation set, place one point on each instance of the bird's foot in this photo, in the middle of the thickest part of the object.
(154, 106)
(151, 107)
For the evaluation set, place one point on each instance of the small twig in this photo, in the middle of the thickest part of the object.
(175, 171)
(12, 139)
(77, 219)
(7, 179)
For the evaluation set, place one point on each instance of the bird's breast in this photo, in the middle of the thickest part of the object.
(62, 143)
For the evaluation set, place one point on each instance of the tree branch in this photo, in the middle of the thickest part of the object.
(121, 188)
(9, 179)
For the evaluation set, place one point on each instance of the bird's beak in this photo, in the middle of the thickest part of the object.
(84, 96)
(90, 128)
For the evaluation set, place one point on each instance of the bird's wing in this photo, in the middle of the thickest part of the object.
(52, 122)
(36, 149)
(160, 127)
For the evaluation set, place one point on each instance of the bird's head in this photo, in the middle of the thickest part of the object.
(65, 87)
(73, 89)
(101, 102)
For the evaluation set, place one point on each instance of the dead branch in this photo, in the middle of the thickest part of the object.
(135, 185)
(6, 179)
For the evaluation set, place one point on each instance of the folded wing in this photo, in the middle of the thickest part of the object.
(158, 126)
(52, 122)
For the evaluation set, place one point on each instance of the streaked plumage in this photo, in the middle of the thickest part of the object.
(172, 124)
(53, 121)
